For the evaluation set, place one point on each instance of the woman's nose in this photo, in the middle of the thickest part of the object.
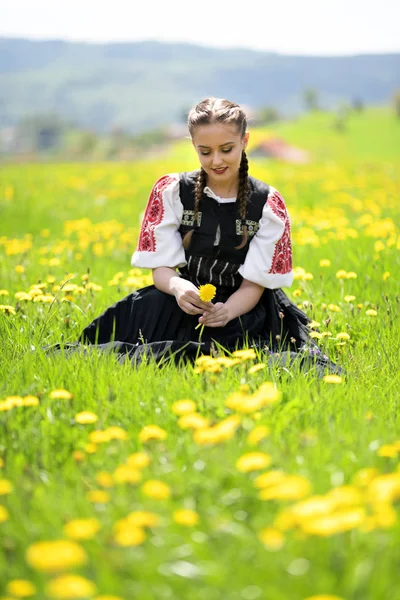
(217, 160)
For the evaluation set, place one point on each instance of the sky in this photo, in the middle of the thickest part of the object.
(307, 27)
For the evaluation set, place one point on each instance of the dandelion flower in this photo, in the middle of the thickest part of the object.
(371, 312)
(257, 434)
(143, 518)
(21, 588)
(6, 487)
(253, 461)
(183, 407)
(98, 496)
(158, 490)
(86, 418)
(152, 432)
(272, 538)
(4, 516)
(60, 394)
(55, 555)
(186, 517)
(81, 529)
(324, 262)
(70, 586)
(127, 474)
(343, 336)
(207, 292)
(130, 536)
(332, 378)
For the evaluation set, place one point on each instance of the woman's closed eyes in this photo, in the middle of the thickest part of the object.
(224, 150)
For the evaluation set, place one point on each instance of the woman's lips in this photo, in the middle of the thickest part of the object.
(220, 171)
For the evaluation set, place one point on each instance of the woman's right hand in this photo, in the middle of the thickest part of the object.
(188, 299)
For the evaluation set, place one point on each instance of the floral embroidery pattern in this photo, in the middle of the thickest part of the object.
(153, 215)
(282, 258)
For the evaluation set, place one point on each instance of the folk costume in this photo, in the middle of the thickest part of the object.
(150, 322)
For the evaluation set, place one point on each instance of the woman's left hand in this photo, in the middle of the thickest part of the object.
(218, 316)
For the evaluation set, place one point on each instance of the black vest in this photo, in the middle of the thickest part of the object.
(211, 214)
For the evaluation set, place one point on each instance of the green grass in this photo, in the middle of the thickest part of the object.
(323, 432)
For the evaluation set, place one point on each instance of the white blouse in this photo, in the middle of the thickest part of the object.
(269, 258)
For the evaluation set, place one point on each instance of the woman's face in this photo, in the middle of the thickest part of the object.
(219, 148)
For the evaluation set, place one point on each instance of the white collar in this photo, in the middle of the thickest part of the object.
(211, 194)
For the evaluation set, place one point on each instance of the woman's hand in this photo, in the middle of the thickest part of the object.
(188, 299)
(218, 316)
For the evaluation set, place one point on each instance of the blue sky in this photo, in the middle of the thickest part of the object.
(312, 27)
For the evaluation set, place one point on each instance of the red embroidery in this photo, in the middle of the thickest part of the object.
(153, 215)
(282, 258)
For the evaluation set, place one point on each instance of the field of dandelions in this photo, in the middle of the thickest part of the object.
(227, 480)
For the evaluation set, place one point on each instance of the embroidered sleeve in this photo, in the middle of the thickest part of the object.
(160, 243)
(269, 259)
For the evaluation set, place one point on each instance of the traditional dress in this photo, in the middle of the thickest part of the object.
(150, 321)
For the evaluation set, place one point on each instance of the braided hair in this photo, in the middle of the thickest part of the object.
(207, 112)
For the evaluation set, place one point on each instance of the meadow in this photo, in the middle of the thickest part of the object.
(224, 480)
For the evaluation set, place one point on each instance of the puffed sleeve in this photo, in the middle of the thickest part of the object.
(269, 259)
(160, 243)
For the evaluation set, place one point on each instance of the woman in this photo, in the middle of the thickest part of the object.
(215, 225)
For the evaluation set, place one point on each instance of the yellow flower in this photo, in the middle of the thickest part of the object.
(186, 516)
(269, 478)
(158, 490)
(142, 518)
(127, 474)
(388, 451)
(332, 378)
(4, 293)
(257, 434)
(207, 292)
(138, 460)
(152, 432)
(183, 407)
(60, 394)
(116, 433)
(21, 588)
(245, 354)
(20, 269)
(130, 536)
(337, 522)
(256, 368)
(1, 463)
(343, 336)
(292, 487)
(6, 487)
(253, 461)
(3, 514)
(371, 312)
(341, 274)
(98, 496)
(193, 421)
(55, 555)
(82, 529)
(70, 586)
(7, 309)
(30, 401)
(386, 275)
(324, 262)
(272, 538)
(349, 298)
(86, 418)
(105, 479)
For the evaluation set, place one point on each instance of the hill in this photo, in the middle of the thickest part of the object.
(139, 86)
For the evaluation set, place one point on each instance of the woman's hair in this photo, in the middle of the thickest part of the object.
(208, 112)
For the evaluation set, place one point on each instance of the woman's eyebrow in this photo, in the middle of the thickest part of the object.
(221, 146)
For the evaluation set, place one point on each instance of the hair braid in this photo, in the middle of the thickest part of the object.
(198, 194)
(242, 197)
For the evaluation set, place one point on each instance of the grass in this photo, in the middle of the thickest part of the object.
(80, 223)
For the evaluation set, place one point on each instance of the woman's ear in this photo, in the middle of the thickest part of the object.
(246, 140)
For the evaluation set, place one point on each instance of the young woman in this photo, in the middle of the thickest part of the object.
(217, 225)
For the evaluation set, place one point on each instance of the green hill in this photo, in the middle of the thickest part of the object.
(139, 86)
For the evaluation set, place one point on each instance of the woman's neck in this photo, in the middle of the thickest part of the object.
(226, 190)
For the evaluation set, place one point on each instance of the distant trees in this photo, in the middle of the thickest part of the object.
(311, 99)
(267, 114)
(396, 102)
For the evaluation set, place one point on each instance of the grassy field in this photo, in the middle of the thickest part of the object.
(265, 483)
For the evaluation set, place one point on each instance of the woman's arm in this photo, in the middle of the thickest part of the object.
(186, 293)
(241, 302)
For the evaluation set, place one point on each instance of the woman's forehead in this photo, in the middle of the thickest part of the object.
(216, 134)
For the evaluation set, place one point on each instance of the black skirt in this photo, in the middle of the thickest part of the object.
(149, 322)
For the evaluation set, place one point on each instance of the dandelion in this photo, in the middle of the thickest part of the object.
(60, 394)
(332, 378)
(158, 490)
(21, 588)
(127, 474)
(4, 516)
(371, 312)
(253, 461)
(349, 298)
(207, 292)
(4, 293)
(183, 407)
(82, 529)
(70, 586)
(105, 479)
(258, 434)
(6, 487)
(386, 275)
(142, 518)
(272, 538)
(343, 336)
(98, 496)
(130, 536)
(86, 418)
(55, 555)
(341, 274)
(152, 432)
(7, 309)
(20, 269)
(138, 460)
(30, 401)
(256, 368)
(186, 517)
(193, 421)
